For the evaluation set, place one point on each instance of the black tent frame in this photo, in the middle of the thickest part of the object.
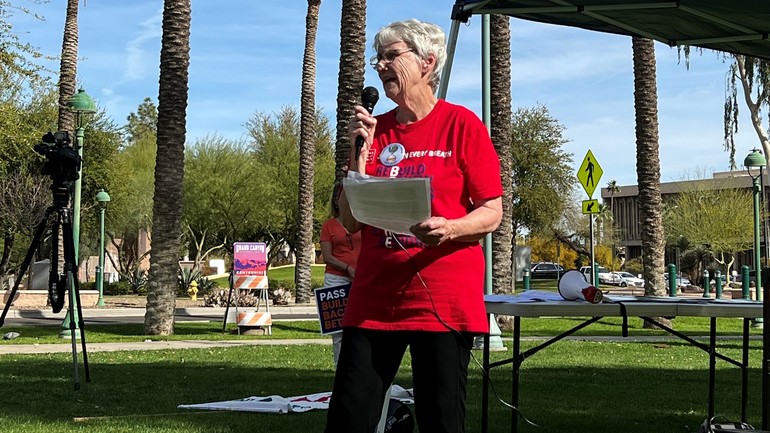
(735, 26)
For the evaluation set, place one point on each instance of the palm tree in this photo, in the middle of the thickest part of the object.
(350, 80)
(648, 166)
(68, 67)
(306, 157)
(612, 188)
(502, 239)
(169, 168)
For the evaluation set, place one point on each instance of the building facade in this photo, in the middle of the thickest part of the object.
(625, 209)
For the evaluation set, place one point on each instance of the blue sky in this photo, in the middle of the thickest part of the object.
(246, 57)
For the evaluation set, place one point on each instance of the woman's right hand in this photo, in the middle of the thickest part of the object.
(362, 124)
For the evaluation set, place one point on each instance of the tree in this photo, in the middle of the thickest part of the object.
(542, 177)
(220, 209)
(169, 168)
(68, 67)
(502, 239)
(720, 220)
(275, 149)
(351, 76)
(612, 188)
(648, 166)
(305, 246)
(754, 78)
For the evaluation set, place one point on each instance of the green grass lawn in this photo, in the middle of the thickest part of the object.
(571, 387)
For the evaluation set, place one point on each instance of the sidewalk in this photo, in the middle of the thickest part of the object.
(288, 311)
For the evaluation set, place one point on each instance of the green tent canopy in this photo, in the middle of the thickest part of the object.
(734, 26)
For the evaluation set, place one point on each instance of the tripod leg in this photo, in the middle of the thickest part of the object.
(71, 269)
(73, 334)
(81, 323)
(39, 230)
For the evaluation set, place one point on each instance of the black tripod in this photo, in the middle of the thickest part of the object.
(59, 285)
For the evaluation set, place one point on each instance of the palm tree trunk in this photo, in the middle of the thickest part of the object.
(351, 76)
(68, 67)
(502, 239)
(648, 166)
(169, 168)
(305, 246)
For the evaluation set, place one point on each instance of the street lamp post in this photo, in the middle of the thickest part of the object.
(103, 198)
(81, 104)
(754, 163)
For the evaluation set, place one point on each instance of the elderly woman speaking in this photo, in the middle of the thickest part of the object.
(424, 290)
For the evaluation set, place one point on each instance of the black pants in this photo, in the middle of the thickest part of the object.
(369, 362)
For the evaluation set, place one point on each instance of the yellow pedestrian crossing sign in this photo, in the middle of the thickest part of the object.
(589, 173)
(590, 206)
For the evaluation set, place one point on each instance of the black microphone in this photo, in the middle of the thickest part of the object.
(369, 97)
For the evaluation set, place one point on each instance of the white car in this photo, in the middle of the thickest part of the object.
(601, 272)
(624, 279)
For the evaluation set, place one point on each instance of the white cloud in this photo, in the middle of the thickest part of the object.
(138, 57)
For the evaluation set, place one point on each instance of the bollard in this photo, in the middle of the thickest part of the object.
(706, 287)
(745, 282)
(672, 283)
(526, 279)
(718, 281)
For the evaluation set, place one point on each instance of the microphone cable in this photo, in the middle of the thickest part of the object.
(449, 327)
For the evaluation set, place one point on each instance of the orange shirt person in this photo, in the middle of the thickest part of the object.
(340, 250)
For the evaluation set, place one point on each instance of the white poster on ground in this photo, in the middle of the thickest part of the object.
(280, 405)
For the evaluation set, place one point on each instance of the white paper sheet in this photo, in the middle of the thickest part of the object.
(390, 204)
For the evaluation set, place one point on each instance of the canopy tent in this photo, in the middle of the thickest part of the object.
(734, 26)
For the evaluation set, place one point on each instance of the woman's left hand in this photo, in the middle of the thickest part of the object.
(433, 231)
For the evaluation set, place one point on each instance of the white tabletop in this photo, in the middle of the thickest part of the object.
(635, 306)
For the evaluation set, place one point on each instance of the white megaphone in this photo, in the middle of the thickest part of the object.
(573, 286)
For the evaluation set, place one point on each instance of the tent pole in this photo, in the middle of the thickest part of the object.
(495, 342)
(450, 55)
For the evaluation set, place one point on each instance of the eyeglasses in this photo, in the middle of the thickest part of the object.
(349, 238)
(387, 57)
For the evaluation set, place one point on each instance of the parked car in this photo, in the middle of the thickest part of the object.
(681, 281)
(545, 270)
(603, 274)
(625, 279)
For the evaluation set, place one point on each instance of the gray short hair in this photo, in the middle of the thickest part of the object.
(424, 38)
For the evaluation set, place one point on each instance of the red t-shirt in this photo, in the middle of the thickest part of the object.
(452, 147)
(345, 246)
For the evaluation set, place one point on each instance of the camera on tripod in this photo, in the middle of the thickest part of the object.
(62, 161)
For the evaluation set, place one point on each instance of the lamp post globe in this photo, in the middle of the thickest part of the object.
(81, 104)
(755, 161)
(102, 198)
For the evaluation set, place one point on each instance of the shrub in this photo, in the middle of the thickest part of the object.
(184, 278)
(118, 288)
(218, 298)
(206, 286)
(138, 281)
(87, 285)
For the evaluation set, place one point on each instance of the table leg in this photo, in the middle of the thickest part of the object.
(485, 387)
(516, 365)
(745, 370)
(712, 365)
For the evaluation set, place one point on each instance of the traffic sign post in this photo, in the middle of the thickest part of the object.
(589, 174)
